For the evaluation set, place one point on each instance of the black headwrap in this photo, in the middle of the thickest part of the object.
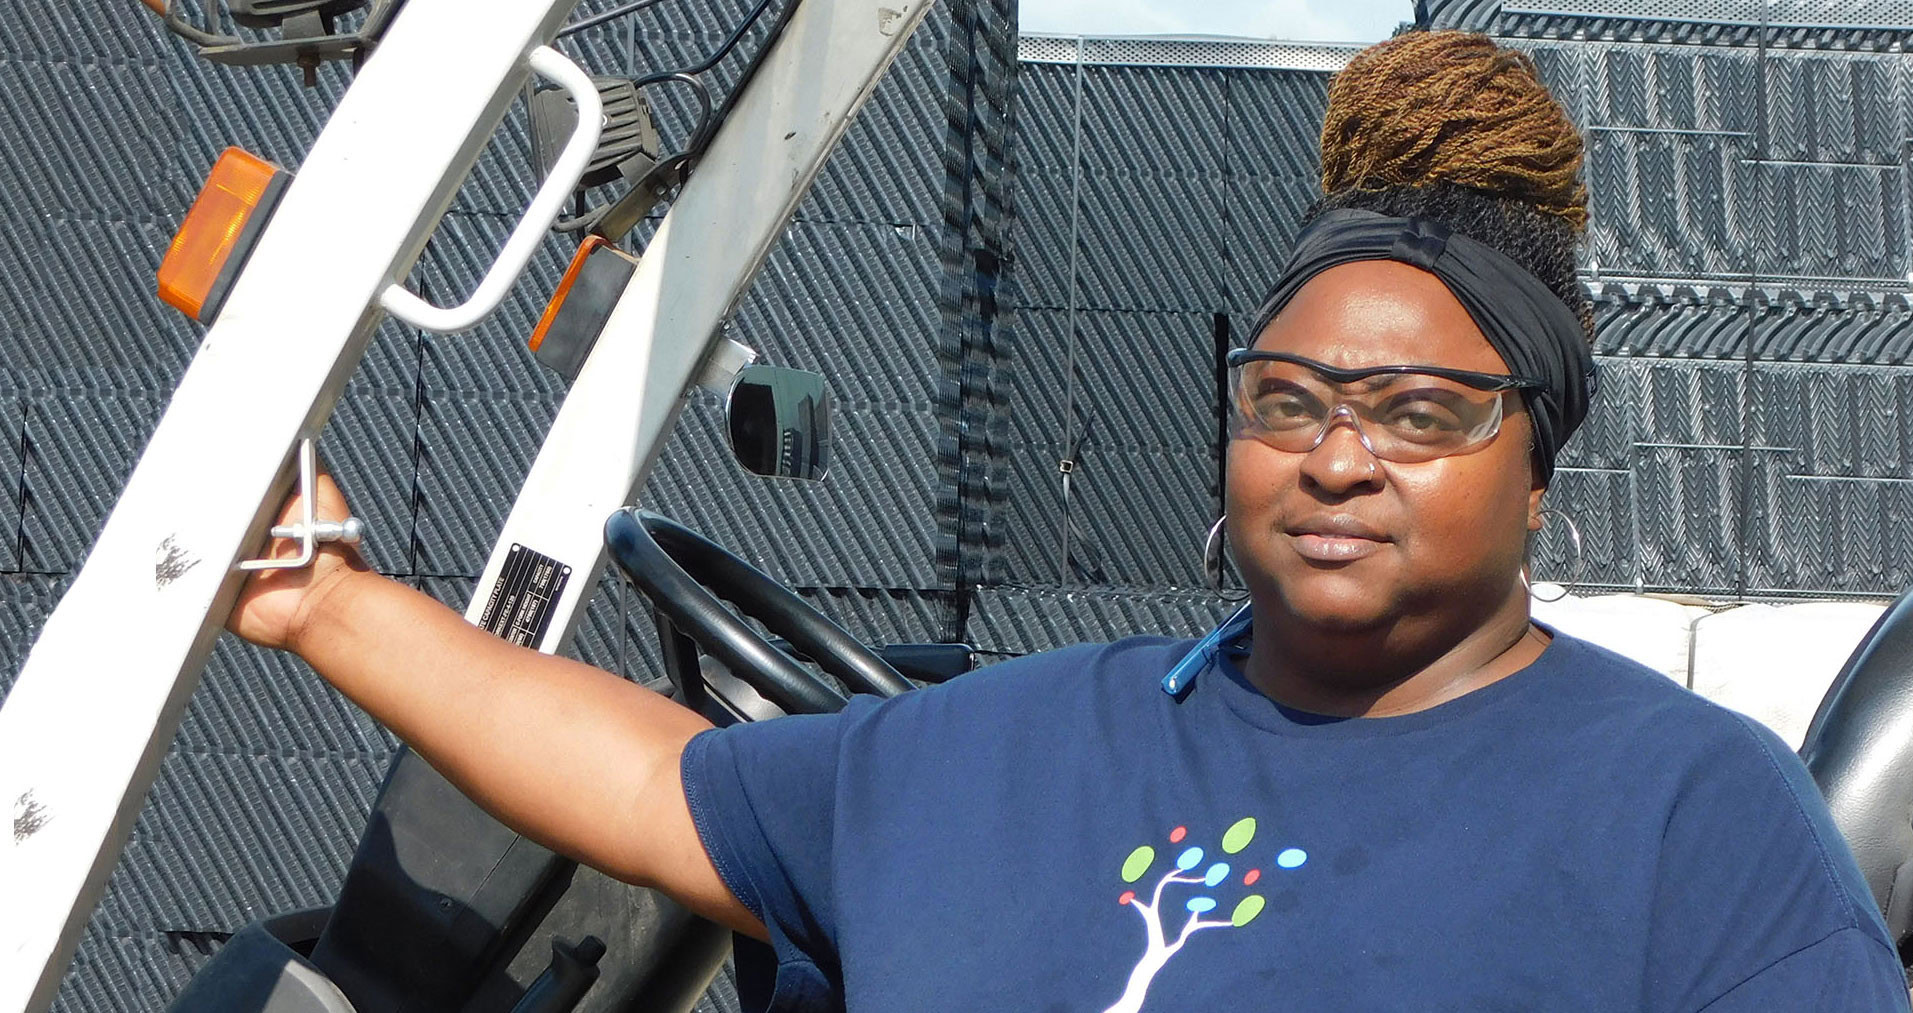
(1536, 333)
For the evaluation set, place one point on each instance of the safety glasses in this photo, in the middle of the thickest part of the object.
(1405, 414)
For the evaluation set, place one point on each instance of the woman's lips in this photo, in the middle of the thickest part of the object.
(1324, 548)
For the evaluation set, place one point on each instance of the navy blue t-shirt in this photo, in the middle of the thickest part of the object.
(1057, 834)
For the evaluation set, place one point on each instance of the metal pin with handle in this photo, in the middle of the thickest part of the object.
(309, 529)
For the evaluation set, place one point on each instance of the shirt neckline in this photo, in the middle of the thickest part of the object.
(1228, 682)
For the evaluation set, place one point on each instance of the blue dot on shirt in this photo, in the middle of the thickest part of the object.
(1291, 858)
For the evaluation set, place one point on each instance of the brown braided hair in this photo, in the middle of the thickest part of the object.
(1451, 127)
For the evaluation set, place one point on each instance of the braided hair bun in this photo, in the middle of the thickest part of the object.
(1451, 127)
(1425, 107)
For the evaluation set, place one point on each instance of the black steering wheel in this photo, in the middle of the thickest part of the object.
(685, 574)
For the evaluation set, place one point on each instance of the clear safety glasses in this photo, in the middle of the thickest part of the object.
(1405, 414)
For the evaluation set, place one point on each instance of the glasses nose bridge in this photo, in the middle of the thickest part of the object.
(1342, 412)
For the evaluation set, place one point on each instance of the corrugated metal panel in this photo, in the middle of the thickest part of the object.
(473, 453)
(79, 295)
(126, 973)
(1672, 205)
(1689, 503)
(1154, 121)
(855, 302)
(1567, 69)
(1663, 87)
(491, 357)
(83, 31)
(1600, 506)
(226, 839)
(1140, 381)
(1263, 217)
(1024, 620)
(1714, 330)
(1836, 107)
(79, 448)
(1816, 534)
(1133, 518)
(1606, 438)
(1466, 15)
(1846, 222)
(116, 121)
(887, 168)
(1274, 124)
(265, 110)
(25, 602)
(1692, 403)
(1046, 124)
(1149, 243)
(1838, 421)
(12, 425)
(1046, 248)
(1783, 325)
(253, 701)
(871, 523)
(371, 447)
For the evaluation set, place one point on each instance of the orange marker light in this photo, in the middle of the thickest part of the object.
(585, 249)
(580, 308)
(219, 230)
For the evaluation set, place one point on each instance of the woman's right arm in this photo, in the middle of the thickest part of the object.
(575, 758)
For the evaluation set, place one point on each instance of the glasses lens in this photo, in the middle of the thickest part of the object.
(1403, 417)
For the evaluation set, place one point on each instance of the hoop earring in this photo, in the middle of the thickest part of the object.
(1212, 554)
(1580, 557)
(1212, 561)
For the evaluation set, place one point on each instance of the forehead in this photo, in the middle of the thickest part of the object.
(1380, 313)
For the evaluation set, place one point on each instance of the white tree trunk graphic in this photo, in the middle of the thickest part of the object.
(1158, 949)
(1157, 946)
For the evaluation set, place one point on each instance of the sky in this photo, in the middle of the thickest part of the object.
(1295, 20)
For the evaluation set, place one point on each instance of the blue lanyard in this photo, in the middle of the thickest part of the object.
(1201, 656)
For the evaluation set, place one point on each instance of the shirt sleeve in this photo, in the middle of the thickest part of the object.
(1849, 971)
(1758, 903)
(764, 799)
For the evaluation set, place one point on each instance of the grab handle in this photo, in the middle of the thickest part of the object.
(550, 199)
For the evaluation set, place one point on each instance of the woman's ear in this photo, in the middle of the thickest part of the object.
(1534, 507)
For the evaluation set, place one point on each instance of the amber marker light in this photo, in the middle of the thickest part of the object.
(219, 230)
(585, 249)
(578, 310)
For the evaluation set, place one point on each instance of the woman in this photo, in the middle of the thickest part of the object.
(1382, 788)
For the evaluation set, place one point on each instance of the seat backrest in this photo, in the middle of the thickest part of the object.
(1774, 663)
(1859, 748)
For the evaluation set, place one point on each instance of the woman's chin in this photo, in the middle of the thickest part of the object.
(1335, 604)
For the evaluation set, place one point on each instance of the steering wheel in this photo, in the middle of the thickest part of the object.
(685, 574)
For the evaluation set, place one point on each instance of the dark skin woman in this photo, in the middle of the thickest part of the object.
(1383, 788)
(1392, 587)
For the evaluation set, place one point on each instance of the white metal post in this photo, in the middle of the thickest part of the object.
(84, 728)
(614, 420)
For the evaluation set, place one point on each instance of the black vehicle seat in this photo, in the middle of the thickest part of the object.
(1859, 749)
(261, 968)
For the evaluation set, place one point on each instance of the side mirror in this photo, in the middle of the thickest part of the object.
(780, 422)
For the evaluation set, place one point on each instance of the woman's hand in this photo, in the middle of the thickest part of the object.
(575, 758)
(274, 605)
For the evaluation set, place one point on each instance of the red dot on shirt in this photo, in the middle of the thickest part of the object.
(1176, 835)
(1254, 874)
(1128, 895)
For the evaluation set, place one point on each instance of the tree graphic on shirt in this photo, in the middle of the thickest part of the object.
(1196, 885)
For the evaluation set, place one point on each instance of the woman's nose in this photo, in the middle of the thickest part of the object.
(1341, 460)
